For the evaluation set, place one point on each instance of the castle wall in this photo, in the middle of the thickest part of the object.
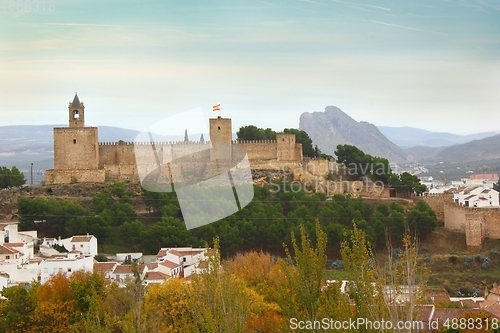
(473, 231)
(437, 202)
(298, 152)
(454, 217)
(259, 149)
(491, 222)
(75, 148)
(74, 176)
(285, 147)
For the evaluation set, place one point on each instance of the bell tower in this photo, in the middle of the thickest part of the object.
(76, 113)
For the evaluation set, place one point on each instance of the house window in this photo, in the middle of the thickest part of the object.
(81, 245)
(69, 269)
(218, 127)
(74, 141)
(7, 257)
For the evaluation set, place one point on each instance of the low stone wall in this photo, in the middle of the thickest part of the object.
(74, 176)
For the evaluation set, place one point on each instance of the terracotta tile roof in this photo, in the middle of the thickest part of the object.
(153, 265)
(162, 252)
(169, 264)
(494, 309)
(104, 266)
(7, 251)
(468, 303)
(424, 312)
(156, 276)
(126, 269)
(442, 314)
(13, 244)
(81, 239)
(470, 196)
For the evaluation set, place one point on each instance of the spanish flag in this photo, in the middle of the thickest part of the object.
(216, 107)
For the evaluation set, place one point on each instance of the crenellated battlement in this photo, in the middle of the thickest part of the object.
(254, 141)
(158, 143)
(77, 148)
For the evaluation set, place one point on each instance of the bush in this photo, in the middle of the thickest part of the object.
(468, 261)
(337, 264)
(452, 259)
(485, 262)
(101, 258)
(396, 253)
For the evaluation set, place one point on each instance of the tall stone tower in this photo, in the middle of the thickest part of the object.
(76, 147)
(285, 146)
(76, 111)
(221, 138)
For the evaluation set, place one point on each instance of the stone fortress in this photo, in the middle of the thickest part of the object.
(79, 157)
(476, 223)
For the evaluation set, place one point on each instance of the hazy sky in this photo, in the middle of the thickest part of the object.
(431, 64)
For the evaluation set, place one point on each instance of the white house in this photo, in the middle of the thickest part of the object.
(84, 244)
(124, 273)
(478, 197)
(155, 277)
(21, 241)
(181, 261)
(4, 280)
(169, 268)
(72, 262)
(9, 255)
(106, 268)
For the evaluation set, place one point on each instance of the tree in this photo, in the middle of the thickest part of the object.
(406, 184)
(360, 164)
(421, 219)
(17, 308)
(11, 177)
(252, 132)
(496, 186)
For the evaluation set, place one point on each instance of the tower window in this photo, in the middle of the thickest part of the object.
(76, 114)
(218, 127)
(74, 140)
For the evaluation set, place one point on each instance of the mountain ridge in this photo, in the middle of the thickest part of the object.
(333, 127)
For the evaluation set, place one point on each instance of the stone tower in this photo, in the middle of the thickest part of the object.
(76, 147)
(285, 147)
(221, 138)
(76, 111)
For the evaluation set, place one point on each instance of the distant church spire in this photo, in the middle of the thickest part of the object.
(202, 139)
(76, 101)
(186, 139)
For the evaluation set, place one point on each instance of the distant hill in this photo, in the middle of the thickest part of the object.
(333, 127)
(406, 137)
(22, 145)
(476, 150)
(424, 153)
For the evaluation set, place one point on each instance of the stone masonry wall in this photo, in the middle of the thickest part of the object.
(74, 176)
(437, 203)
(259, 150)
(75, 148)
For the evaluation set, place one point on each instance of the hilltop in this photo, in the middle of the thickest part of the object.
(333, 127)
